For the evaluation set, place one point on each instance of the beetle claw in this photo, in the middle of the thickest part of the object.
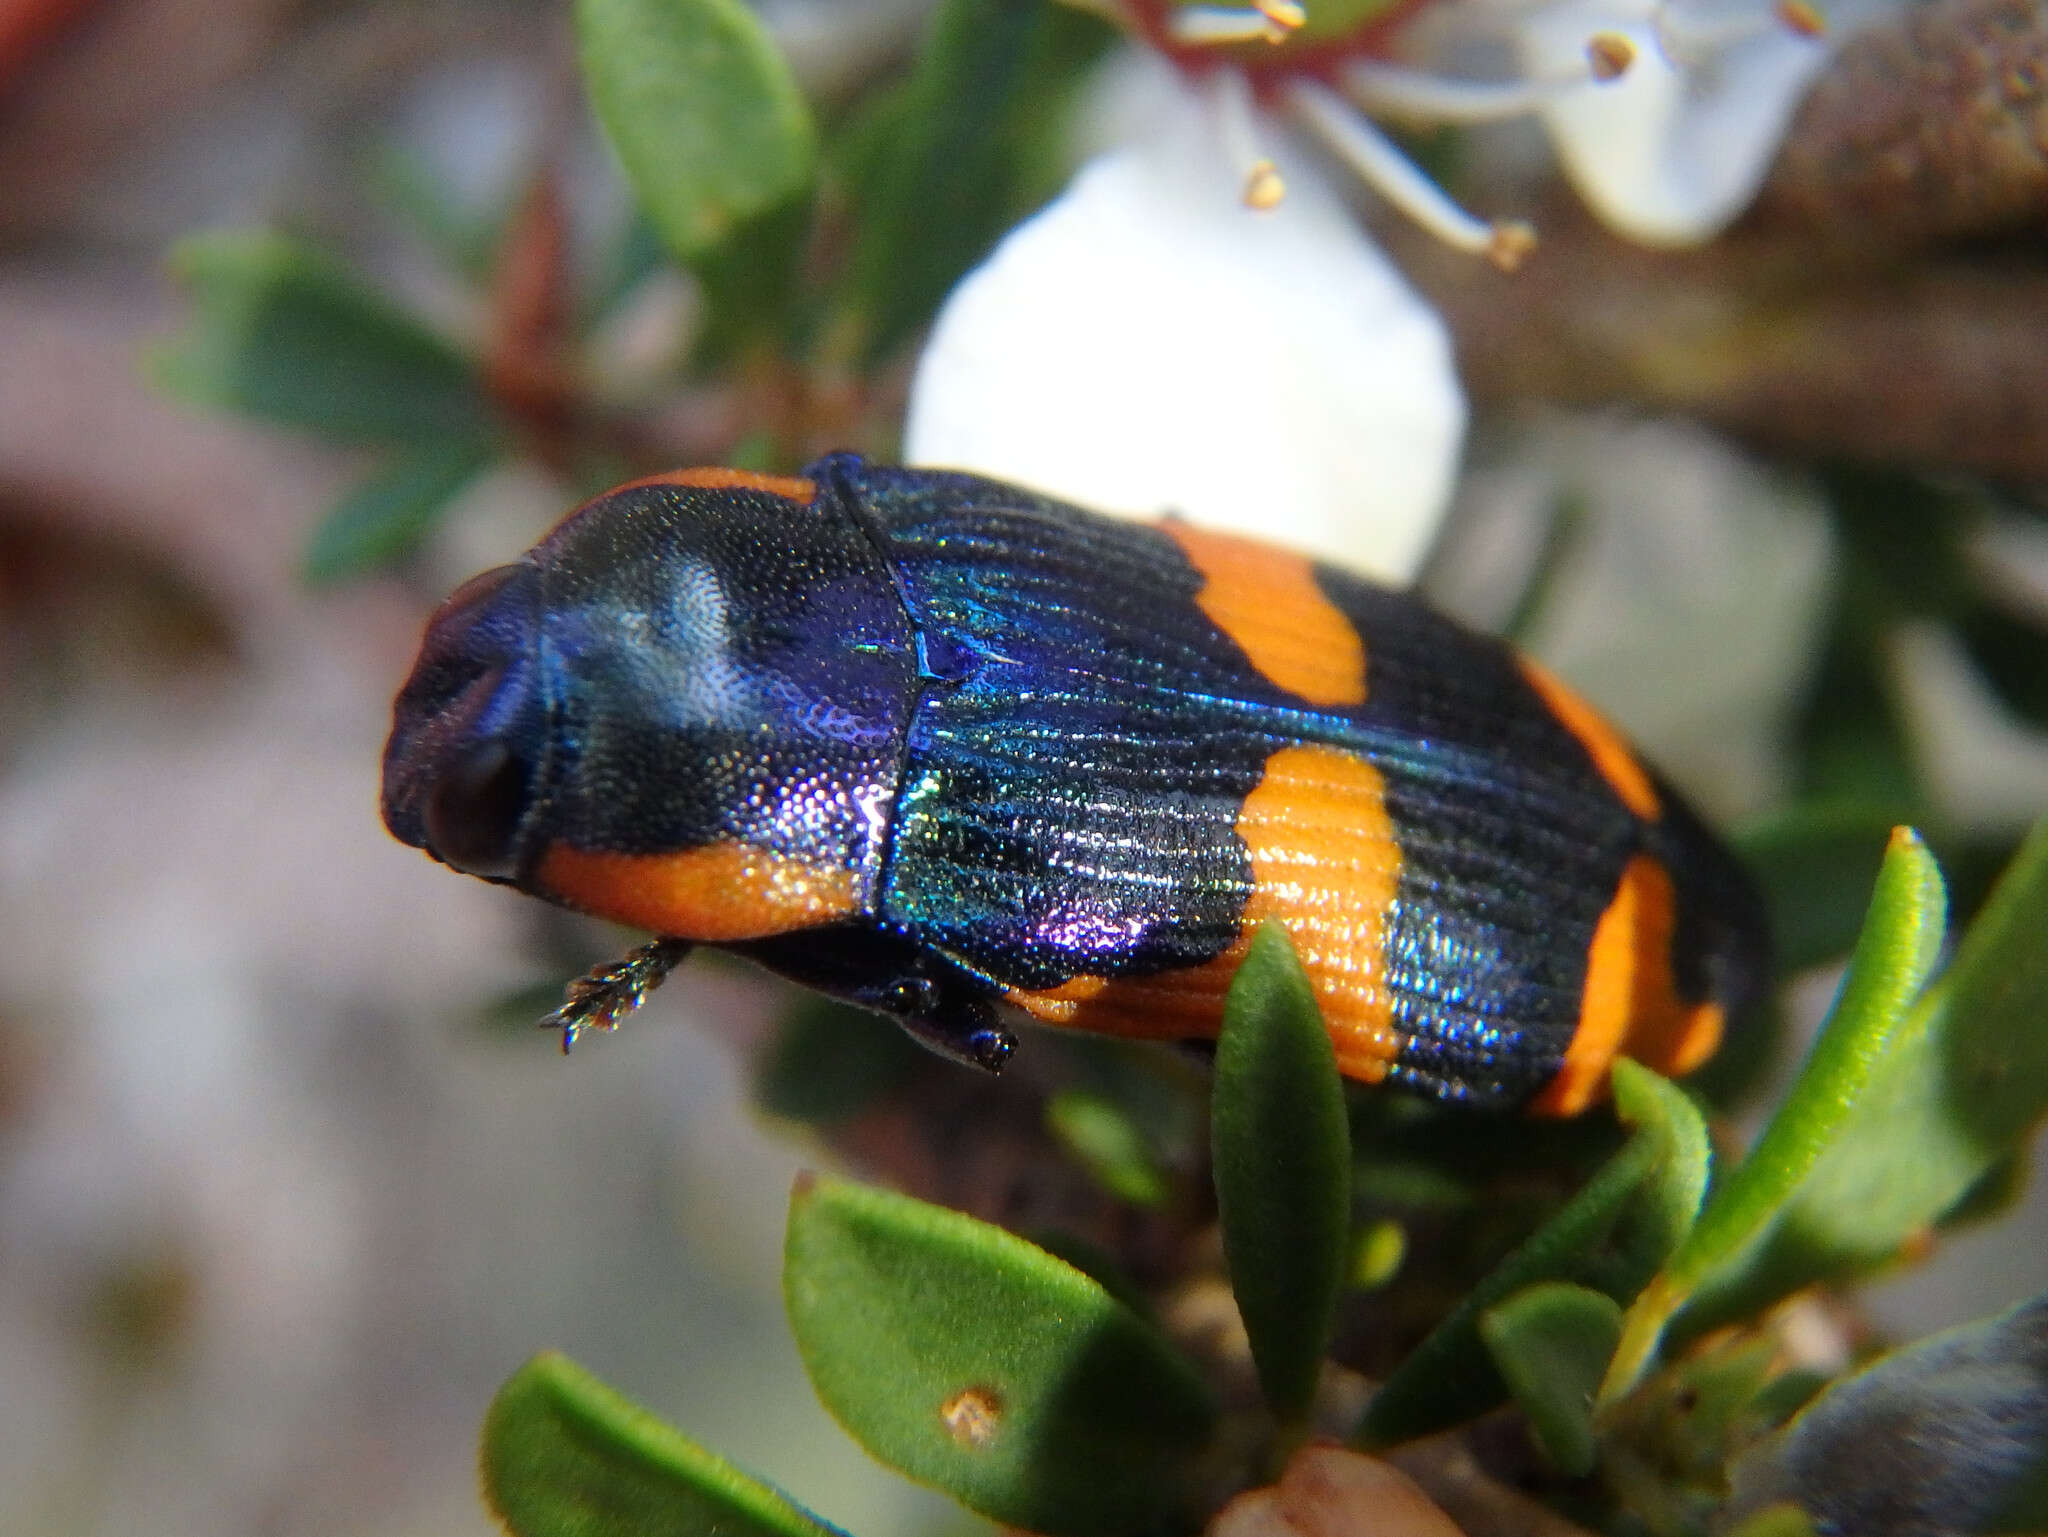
(962, 1029)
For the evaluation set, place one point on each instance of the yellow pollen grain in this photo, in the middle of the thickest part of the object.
(1509, 244)
(1801, 18)
(1264, 187)
(1609, 55)
(1286, 16)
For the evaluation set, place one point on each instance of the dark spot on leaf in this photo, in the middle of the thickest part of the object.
(972, 1416)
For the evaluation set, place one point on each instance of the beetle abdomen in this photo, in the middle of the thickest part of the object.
(1164, 736)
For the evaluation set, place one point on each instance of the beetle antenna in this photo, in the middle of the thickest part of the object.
(606, 994)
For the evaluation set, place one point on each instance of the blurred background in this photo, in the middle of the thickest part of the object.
(288, 1184)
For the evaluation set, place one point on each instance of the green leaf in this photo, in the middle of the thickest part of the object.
(1551, 1343)
(1106, 1142)
(1900, 941)
(831, 1061)
(971, 1360)
(282, 333)
(1897, 950)
(1960, 1091)
(943, 166)
(1282, 1149)
(565, 1456)
(1949, 1435)
(1611, 1236)
(384, 519)
(1098, 1264)
(1776, 1521)
(707, 119)
(1377, 1253)
(464, 240)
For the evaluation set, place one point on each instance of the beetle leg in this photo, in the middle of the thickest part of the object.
(606, 994)
(953, 1023)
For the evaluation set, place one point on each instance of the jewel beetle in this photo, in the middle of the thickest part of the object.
(932, 743)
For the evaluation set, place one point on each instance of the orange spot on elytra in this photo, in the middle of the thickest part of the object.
(1325, 863)
(1629, 1005)
(1611, 755)
(1267, 600)
(793, 488)
(722, 892)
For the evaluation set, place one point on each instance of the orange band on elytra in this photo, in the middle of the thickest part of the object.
(1267, 600)
(1325, 863)
(1612, 756)
(1629, 1005)
(792, 488)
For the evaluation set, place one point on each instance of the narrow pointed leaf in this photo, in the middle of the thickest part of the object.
(1958, 1095)
(1105, 1141)
(1282, 1151)
(701, 106)
(565, 1456)
(283, 333)
(1949, 1435)
(969, 1359)
(1551, 1344)
(384, 519)
(1896, 951)
(1611, 1236)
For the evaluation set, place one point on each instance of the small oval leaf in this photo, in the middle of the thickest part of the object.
(1551, 1343)
(1106, 1142)
(283, 333)
(384, 519)
(1896, 951)
(969, 1359)
(565, 1456)
(1612, 1235)
(1282, 1149)
(701, 106)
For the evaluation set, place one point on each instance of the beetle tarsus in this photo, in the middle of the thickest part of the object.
(960, 1028)
(606, 994)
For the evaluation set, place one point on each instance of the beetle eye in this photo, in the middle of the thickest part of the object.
(472, 815)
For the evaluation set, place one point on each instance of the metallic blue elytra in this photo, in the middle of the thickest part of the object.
(933, 743)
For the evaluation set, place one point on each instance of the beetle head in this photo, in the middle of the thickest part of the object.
(679, 667)
(469, 737)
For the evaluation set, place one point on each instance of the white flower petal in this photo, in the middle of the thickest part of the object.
(1691, 565)
(1669, 153)
(1987, 768)
(1147, 343)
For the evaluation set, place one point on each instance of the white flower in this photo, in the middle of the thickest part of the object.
(1148, 343)
(1715, 580)
(1666, 113)
(1674, 149)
